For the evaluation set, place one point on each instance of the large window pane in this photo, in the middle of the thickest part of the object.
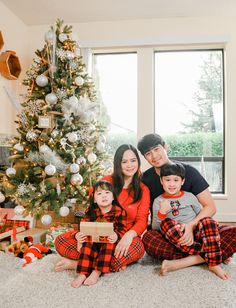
(115, 76)
(189, 109)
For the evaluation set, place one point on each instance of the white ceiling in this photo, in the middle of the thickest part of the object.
(37, 12)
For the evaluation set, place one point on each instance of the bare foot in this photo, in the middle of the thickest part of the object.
(167, 266)
(77, 282)
(227, 261)
(220, 272)
(92, 278)
(65, 264)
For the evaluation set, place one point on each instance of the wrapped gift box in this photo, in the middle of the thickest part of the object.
(97, 231)
(54, 231)
(38, 235)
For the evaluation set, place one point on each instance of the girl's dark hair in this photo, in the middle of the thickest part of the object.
(90, 212)
(173, 169)
(118, 178)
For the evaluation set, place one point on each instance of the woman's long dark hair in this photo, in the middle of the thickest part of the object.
(118, 177)
(90, 212)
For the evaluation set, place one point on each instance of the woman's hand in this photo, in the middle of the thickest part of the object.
(113, 238)
(123, 245)
(187, 239)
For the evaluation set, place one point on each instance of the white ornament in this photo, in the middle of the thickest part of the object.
(55, 133)
(74, 168)
(50, 169)
(46, 219)
(70, 55)
(92, 157)
(19, 147)
(10, 171)
(19, 210)
(102, 138)
(64, 211)
(72, 137)
(42, 80)
(100, 146)
(81, 160)
(62, 37)
(76, 179)
(44, 149)
(73, 100)
(49, 36)
(31, 136)
(51, 98)
(2, 197)
(79, 81)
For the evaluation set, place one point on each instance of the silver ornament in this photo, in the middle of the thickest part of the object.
(51, 98)
(31, 136)
(44, 149)
(46, 219)
(81, 160)
(55, 133)
(50, 36)
(42, 80)
(19, 147)
(70, 55)
(2, 197)
(100, 146)
(76, 179)
(50, 169)
(64, 211)
(62, 37)
(92, 157)
(72, 137)
(74, 168)
(73, 100)
(10, 171)
(79, 81)
(19, 210)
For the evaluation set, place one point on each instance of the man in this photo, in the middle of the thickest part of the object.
(153, 148)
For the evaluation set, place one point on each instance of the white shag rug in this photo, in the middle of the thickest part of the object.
(37, 285)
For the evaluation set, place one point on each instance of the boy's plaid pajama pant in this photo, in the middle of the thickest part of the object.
(206, 239)
(159, 248)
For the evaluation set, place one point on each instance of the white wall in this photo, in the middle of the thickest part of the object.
(165, 32)
(15, 35)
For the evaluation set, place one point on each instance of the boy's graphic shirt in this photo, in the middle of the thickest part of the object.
(184, 208)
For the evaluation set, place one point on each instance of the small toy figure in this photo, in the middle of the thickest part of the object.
(28, 251)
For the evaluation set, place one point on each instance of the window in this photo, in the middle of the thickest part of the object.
(115, 76)
(179, 94)
(189, 109)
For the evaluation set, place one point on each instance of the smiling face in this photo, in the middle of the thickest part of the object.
(172, 184)
(103, 198)
(129, 164)
(157, 156)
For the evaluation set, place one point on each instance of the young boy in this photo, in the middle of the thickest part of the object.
(175, 208)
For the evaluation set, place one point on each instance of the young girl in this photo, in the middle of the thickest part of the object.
(95, 258)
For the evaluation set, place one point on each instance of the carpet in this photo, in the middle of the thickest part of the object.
(37, 285)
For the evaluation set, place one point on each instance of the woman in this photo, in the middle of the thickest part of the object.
(134, 198)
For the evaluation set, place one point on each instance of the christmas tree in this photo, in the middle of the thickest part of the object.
(60, 150)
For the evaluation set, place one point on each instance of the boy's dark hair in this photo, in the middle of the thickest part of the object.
(148, 142)
(173, 169)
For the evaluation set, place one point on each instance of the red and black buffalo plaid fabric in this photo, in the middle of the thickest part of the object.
(159, 248)
(206, 239)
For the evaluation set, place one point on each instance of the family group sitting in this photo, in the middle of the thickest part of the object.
(182, 231)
